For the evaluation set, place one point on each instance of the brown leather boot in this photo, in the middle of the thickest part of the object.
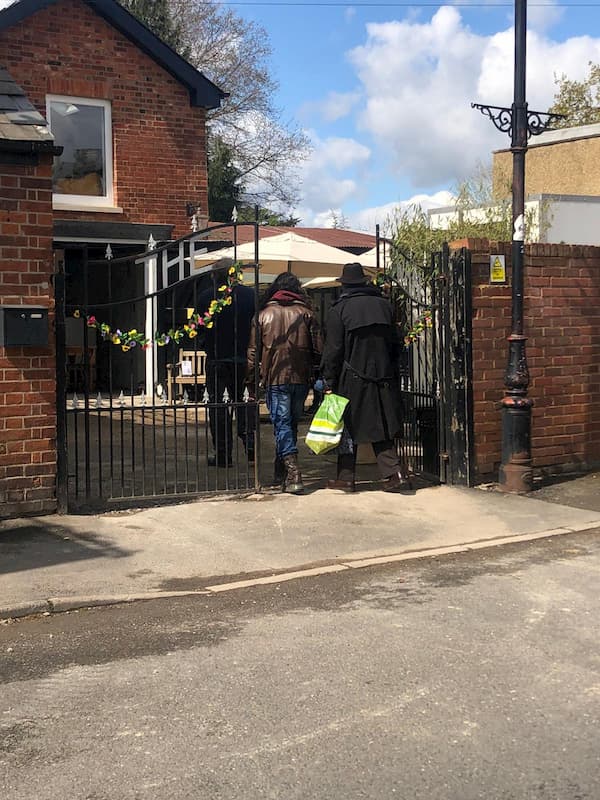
(397, 483)
(293, 479)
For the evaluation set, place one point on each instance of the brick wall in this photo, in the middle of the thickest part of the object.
(27, 375)
(562, 322)
(158, 138)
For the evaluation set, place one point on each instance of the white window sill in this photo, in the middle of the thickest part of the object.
(61, 205)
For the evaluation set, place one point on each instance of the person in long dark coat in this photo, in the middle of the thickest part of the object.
(360, 362)
(226, 344)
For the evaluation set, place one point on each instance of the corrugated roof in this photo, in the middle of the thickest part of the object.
(334, 237)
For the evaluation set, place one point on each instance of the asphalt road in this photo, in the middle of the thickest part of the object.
(463, 677)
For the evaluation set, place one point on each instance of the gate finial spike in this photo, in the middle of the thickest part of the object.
(121, 399)
(98, 400)
(246, 395)
(186, 398)
(226, 397)
(205, 396)
(74, 401)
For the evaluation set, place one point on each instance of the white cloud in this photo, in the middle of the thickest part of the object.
(542, 17)
(336, 153)
(420, 77)
(331, 175)
(335, 106)
(366, 219)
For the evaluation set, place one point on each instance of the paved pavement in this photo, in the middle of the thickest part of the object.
(57, 563)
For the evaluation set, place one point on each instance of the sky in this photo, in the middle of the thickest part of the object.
(384, 92)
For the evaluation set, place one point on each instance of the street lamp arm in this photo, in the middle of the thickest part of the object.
(501, 117)
(539, 121)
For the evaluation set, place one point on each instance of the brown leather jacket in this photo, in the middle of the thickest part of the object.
(290, 344)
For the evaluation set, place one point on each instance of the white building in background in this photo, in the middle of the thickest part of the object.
(562, 181)
(552, 218)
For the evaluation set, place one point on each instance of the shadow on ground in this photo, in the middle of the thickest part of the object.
(37, 545)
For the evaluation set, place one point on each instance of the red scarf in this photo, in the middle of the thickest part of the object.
(285, 296)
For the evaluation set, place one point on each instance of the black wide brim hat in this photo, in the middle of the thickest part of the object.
(353, 274)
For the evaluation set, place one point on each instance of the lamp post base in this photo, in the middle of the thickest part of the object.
(516, 473)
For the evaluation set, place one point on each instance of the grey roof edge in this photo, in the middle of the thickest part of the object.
(112, 231)
(578, 133)
(203, 92)
(30, 146)
(567, 198)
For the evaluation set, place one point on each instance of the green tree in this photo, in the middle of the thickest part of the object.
(226, 191)
(156, 15)
(579, 101)
(247, 213)
(475, 213)
(224, 181)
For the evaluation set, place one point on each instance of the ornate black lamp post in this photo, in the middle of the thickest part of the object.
(520, 123)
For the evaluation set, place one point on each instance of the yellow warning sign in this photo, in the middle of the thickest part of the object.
(497, 269)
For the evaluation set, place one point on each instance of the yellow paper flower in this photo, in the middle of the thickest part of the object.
(231, 271)
(192, 333)
(77, 314)
(209, 324)
(227, 302)
(124, 348)
(222, 288)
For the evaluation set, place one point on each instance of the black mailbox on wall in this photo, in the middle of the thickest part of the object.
(23, 326)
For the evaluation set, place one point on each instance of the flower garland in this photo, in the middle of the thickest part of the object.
(424, 321)
(134, 338)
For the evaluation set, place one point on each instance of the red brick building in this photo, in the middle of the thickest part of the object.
(129, 112)
(27, 370)
(128, 118)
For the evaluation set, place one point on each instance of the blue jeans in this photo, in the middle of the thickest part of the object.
(286, 403)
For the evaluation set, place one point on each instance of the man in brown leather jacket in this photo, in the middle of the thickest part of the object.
(287, 350)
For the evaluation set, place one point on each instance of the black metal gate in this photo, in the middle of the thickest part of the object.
(144, 411)
(433, 307)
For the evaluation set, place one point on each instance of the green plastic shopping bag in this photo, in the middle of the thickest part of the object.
(326, 428)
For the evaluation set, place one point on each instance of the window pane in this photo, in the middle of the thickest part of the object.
(79, 128)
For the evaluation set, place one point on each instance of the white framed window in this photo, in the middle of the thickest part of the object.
(83, 174)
